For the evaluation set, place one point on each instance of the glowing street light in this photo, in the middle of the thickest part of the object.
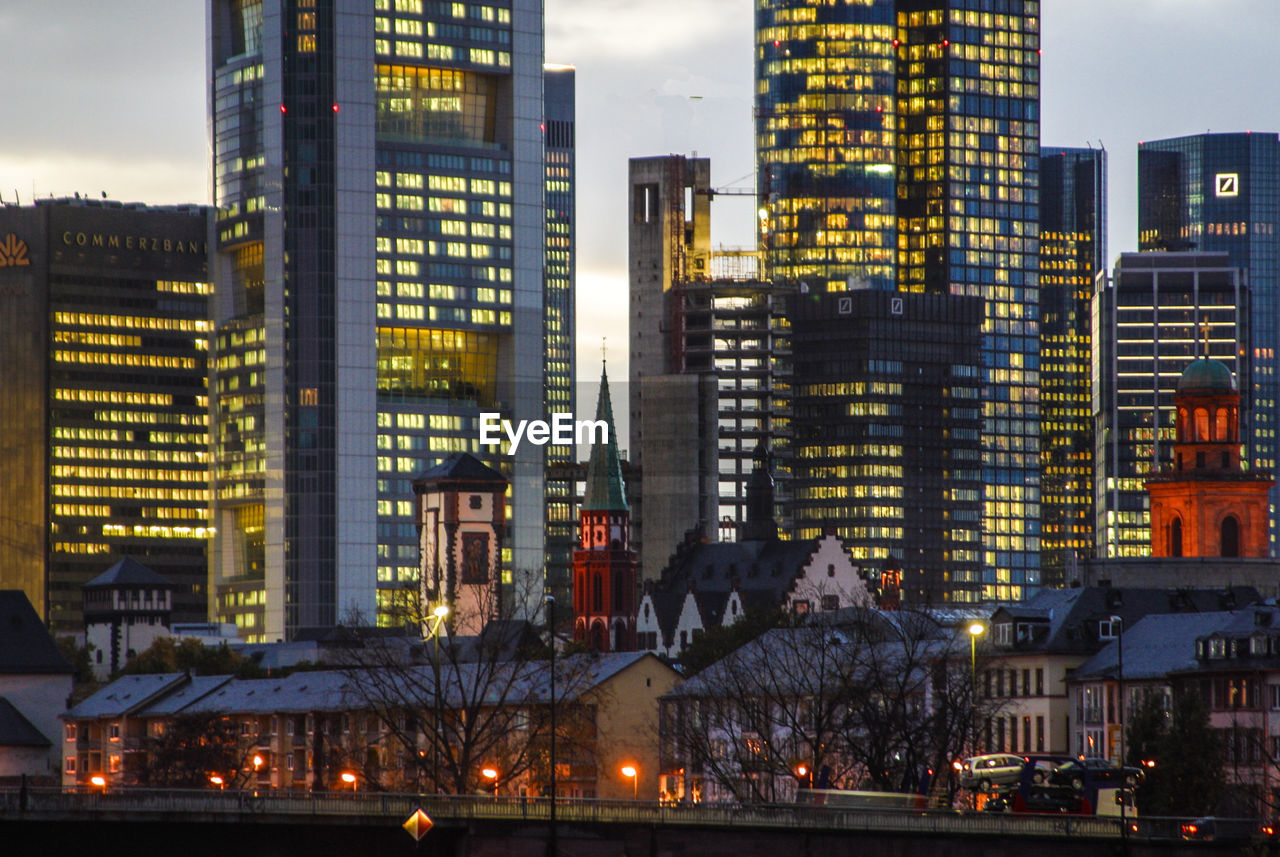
(218, 781)
(491, 774)
(630, 771)
(98, 780)
(348, 777)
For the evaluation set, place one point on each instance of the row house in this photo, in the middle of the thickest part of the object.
(1231, 659)
(334, 729)
(1029, 649)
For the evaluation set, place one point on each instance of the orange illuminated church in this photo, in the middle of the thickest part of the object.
(1206, 504)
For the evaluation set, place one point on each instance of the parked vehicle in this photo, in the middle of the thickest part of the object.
(1077, 772)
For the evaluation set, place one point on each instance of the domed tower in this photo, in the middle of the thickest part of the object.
(1207, 505)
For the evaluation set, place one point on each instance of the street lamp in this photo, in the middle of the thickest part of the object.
(348, 777)
(98, 780)
(1117, 626)
(491, 774)
(218, 781)
(438, 616)
(630, 771)
(553, 847)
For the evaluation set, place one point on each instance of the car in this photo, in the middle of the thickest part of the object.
(1075, 772)
(996, 769)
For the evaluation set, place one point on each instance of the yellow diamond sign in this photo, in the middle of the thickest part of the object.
(418, 824)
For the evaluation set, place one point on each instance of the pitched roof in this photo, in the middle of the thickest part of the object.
(605, 489)
(1070, 617)
(462, 466)
(126, 695)
(26, 647)
(16, 730)
(1154, 647)
(129, 572)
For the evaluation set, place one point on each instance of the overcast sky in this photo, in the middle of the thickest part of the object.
(109, 96)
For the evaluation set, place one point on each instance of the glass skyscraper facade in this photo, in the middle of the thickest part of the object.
(1153, 316)
(1221, 192)
(104, 342)
(1073, 230)
(935, 107)
(381, 189)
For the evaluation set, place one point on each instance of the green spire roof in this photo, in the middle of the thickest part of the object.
(605, 490)
(1206, 374)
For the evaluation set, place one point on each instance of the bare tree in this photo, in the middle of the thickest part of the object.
(451, 707)
(859, 698)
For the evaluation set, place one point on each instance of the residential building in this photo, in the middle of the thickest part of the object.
(1230, 659)
(1073, 251)
(1030, 650)
(306, 729)
(381, 184)
(105, 344)
(898, 148)
(35, 683)
(1150, 320)
(886, 424)
(1221, 193)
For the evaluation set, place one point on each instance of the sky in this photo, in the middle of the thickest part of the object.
(110, 96)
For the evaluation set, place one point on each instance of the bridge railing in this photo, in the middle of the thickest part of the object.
(379, 808)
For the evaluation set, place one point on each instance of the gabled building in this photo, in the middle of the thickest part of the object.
(1031, 648)
(35, 682)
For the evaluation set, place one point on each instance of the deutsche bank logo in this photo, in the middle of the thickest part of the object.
(1226, 184)
(895, 306)
(844, 306)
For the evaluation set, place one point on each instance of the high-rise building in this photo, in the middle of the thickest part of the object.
(380, 180)
(558, 308)
(1221, 193)
(104, 342)
(708, 346)
(886, 421)
(1156, 314)
(1073, 251)
(913, 125)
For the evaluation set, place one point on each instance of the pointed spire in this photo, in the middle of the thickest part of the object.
(605, 489)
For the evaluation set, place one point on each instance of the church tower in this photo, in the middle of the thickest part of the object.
(604, 565)
(1207, 505)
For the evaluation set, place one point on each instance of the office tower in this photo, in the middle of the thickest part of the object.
(826, 142)
(379, 174)
(886, 422)
(949, 130)
(1156, 314)
(558, 279)
(104, 343)
(707, 345)
(1221, 193)
(1073, 251)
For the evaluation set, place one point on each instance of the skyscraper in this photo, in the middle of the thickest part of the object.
(1151, 318)
(913, 126)
(1073, 229)
(104, 341)
(1221, 192)
(380, 180)
(707, 344)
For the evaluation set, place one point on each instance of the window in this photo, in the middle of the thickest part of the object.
(1039, 681)
(1230, 537)
(69, 730)
(70, 767)
(1107, 629)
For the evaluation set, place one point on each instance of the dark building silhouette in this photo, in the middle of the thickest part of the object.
(887, 424)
